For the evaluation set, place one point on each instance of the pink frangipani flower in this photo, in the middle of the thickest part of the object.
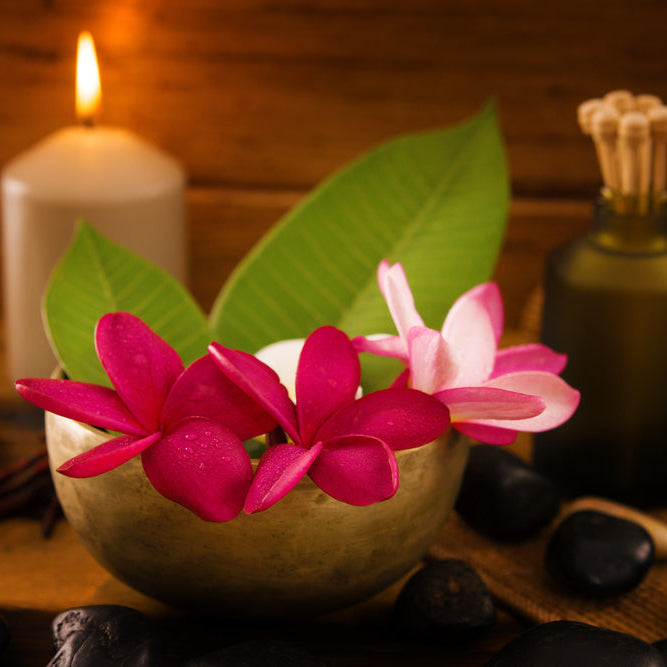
(187, 424)
(491, 394)
(346, 446)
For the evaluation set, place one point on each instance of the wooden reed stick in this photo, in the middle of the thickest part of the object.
(630, 136)
(658, 120)
(634, 153)
(585, 113)
(622, 100)
(604, 126)
(644, 103)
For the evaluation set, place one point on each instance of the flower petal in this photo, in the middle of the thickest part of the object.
(382, 269)
(397, 294)
(141, 366)
(260, 382)
(401, 418)
(470, 330)
(383, 345)
(488, 295)
(202, 390)
(530, 357)
(327, 378)
(107, 456)
(283, 358)
(561, 400)
(486, 402)
(203, 466)
(431, 364)
(402, 380)
(359, 470)
(488, 434)
(279, 470)
(89, 403)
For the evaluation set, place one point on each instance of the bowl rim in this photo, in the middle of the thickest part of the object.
(58, 374)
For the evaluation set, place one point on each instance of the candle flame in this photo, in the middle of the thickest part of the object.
(88, 88)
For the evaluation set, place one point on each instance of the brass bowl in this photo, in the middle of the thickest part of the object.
(307, 554)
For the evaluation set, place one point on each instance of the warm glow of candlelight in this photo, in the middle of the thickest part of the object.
(88, 88)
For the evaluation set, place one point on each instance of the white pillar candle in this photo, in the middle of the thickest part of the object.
(126, 188)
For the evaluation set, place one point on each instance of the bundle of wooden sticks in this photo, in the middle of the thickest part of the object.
(630, 137)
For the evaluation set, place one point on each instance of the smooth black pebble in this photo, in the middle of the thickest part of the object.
(597, 554)
(503, 497)
(258, 653)
(105, 636)
(446, 602)
(576, 645)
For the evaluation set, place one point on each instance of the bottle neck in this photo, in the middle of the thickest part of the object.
(630, 225)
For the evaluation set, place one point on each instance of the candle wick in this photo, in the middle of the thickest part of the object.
(88, 121)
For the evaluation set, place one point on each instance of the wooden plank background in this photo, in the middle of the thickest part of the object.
(260, 99)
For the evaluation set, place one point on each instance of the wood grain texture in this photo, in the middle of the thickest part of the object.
(261, 99)
(267, 93)
(225, 223)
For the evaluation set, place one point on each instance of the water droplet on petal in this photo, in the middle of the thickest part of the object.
(139, 360)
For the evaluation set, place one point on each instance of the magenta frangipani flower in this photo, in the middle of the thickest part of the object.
(491, 394)
(187, 424)
(345, 445)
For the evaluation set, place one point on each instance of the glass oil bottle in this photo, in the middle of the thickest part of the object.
(606, 308)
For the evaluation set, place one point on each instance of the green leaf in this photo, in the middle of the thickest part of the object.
(437, 202)
(96, 276)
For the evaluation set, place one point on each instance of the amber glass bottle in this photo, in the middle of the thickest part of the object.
(606, 308)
